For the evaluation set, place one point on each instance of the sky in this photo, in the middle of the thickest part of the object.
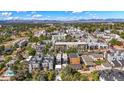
(60, 15)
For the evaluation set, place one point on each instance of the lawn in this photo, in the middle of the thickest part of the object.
(99, 62)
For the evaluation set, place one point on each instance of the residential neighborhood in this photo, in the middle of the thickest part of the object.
(62, 52)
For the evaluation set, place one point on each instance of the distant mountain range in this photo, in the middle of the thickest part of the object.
(60, 21)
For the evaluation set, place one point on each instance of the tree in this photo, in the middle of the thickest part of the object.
(71, 50)
(2, 47)
(84, 78)
(102, 29)
(34, 39)
(122, 35)
(2, 65)
(115, 32)
(43, 37)
(50, 29)
(69, 74)
(69, 38)
(51, 75)
(95, 76)
(76, 76)
(46, 49)
(31, 51)
(19, 56)
(99, 62)
(66, 73)
(115, 42)
(8, 58)
(21, 71)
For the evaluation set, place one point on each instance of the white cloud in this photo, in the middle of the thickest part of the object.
(21, 11)
(61, 18)
(9, 18)
(77, 11)
(90, 14)
(33, 12)
(87, 12)
(36, 16)
(6, 14)
(12, 18)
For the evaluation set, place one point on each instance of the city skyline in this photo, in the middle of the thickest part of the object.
(60, 15)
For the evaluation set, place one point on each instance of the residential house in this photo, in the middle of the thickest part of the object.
(58, 37)
(64, 59)
(76, 66)
(8, 50)
(107, 31)
(48, 63)
(116, 58)
(58, 58)
(51, 65)
(22, 43)
(111, 75)
(88, 61)
(96, 57)
(39, 33)
(58, 64)
(75, 62)
(66, 45)
(58, 67)
(106, 65)
(74, 58)
(34, 62)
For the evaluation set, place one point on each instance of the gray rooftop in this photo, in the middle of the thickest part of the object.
(97, 55)
(112, 75)
(115, 62)
(87, 60)
(76, 66)
(73, 55)
(106, 64)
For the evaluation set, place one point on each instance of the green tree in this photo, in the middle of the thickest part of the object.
(84, 78)
(7, 58)
(99, 62)
(34, 39)
(71, 50)
(122, 35)
(95, 76)
(2, 47)
(51, 75)
(68, 74)
(31, 51)
(46, 49)
(115, 32)
(115, 42)
(2, 65)
(76, 76)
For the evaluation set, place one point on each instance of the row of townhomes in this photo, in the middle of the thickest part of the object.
(80, 50)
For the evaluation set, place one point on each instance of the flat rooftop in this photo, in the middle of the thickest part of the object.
(73, 55)
(70, 43)
(97, 55)
(115, 62)
(87, 60)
